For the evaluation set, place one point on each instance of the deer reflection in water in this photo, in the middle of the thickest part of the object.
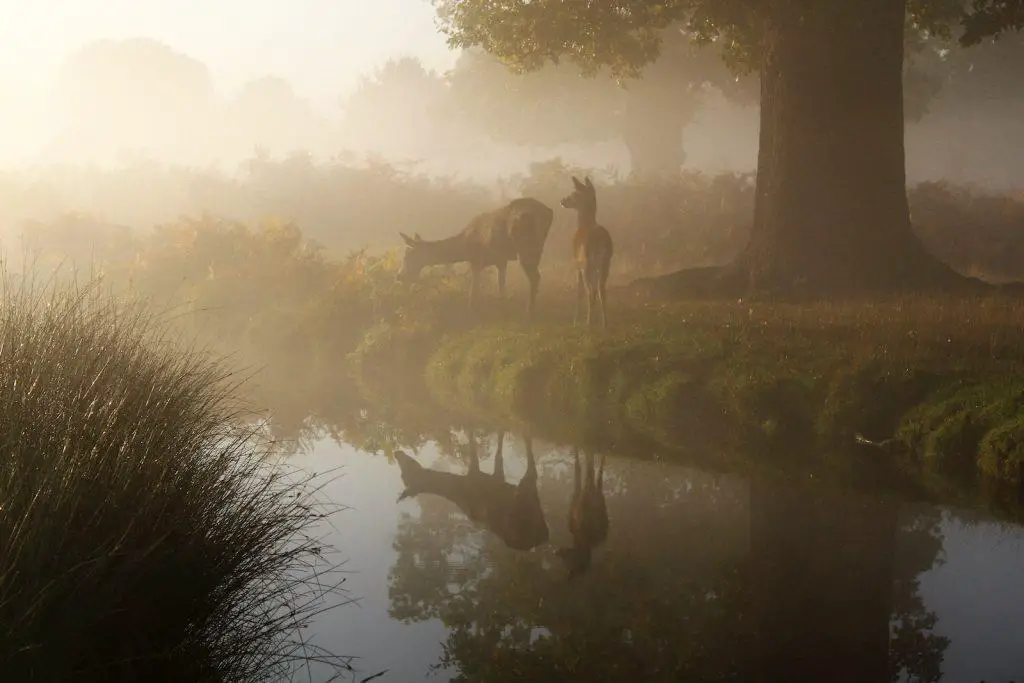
(588, 514)
(511, 512)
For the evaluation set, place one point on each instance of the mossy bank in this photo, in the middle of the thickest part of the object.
(936, 386)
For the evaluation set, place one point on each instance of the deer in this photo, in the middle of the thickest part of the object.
(592, 249)
(516, 231)
(588, 515)
(511, 512)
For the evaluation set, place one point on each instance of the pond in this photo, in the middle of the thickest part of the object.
(673, 573)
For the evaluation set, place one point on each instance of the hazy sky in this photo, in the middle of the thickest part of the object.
(321, 46)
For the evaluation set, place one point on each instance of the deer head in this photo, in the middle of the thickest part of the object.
(417, 257)
(583, 198)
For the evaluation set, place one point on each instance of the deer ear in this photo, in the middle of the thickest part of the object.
(589, 184)
(577, 183)
(417, 236)
(408, 240)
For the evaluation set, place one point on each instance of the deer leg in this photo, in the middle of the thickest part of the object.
(499, 458)
(601, 300)
(474, 286)
(588, 463)
(600, 472)
(531, 462)
(576, 472)
(533, 275)
(591, 297)
(579, 296)
(474, 457)
(502, 270)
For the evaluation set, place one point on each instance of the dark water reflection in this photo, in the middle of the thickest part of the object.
(694, 576)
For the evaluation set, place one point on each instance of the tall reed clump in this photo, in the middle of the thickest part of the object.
(146, 534)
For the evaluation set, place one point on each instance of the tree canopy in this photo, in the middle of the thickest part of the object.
(625, 35)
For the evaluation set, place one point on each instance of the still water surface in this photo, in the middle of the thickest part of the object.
(700, 576)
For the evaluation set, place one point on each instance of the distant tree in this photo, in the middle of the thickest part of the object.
(831, 212)
(267, 112)
(397, 111)
(136, 94)
(558, 104)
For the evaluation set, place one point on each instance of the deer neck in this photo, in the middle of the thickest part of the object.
(448, 250)
(586, 219)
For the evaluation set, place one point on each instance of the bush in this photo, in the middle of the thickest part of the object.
(145, 533)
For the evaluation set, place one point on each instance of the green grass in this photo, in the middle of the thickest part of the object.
(778, 382)
(146, 535)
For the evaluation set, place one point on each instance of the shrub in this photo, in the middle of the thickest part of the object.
(146, 533)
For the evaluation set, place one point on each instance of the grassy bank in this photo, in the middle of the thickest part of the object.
(146, 535)
(938, 386)
(926, 378)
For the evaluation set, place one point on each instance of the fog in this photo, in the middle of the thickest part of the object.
(116, 102)
(136, 118)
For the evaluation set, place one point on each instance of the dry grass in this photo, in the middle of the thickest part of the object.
(146, 535)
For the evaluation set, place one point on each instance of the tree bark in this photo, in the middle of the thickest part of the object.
(831, 214)
(831, 208)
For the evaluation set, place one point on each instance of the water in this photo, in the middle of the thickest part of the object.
(702, 576)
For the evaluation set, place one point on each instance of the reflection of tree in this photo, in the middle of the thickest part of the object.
(513, 616)
(822, 583)
(913, 647)
(435, 552)
(676, 594)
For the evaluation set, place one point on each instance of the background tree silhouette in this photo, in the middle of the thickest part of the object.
(268, 113)
(136, 96)
(557, 104)
(398, 111)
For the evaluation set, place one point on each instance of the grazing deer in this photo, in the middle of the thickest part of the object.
(511, 512)
(588, 516)
(516, 231)
(592, 249)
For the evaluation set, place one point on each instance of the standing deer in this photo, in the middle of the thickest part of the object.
(511, 512)
(592, 249)
(588, 515)
(516, 231)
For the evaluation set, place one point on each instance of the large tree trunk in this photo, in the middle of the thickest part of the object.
(831, 209)
(831, 212)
